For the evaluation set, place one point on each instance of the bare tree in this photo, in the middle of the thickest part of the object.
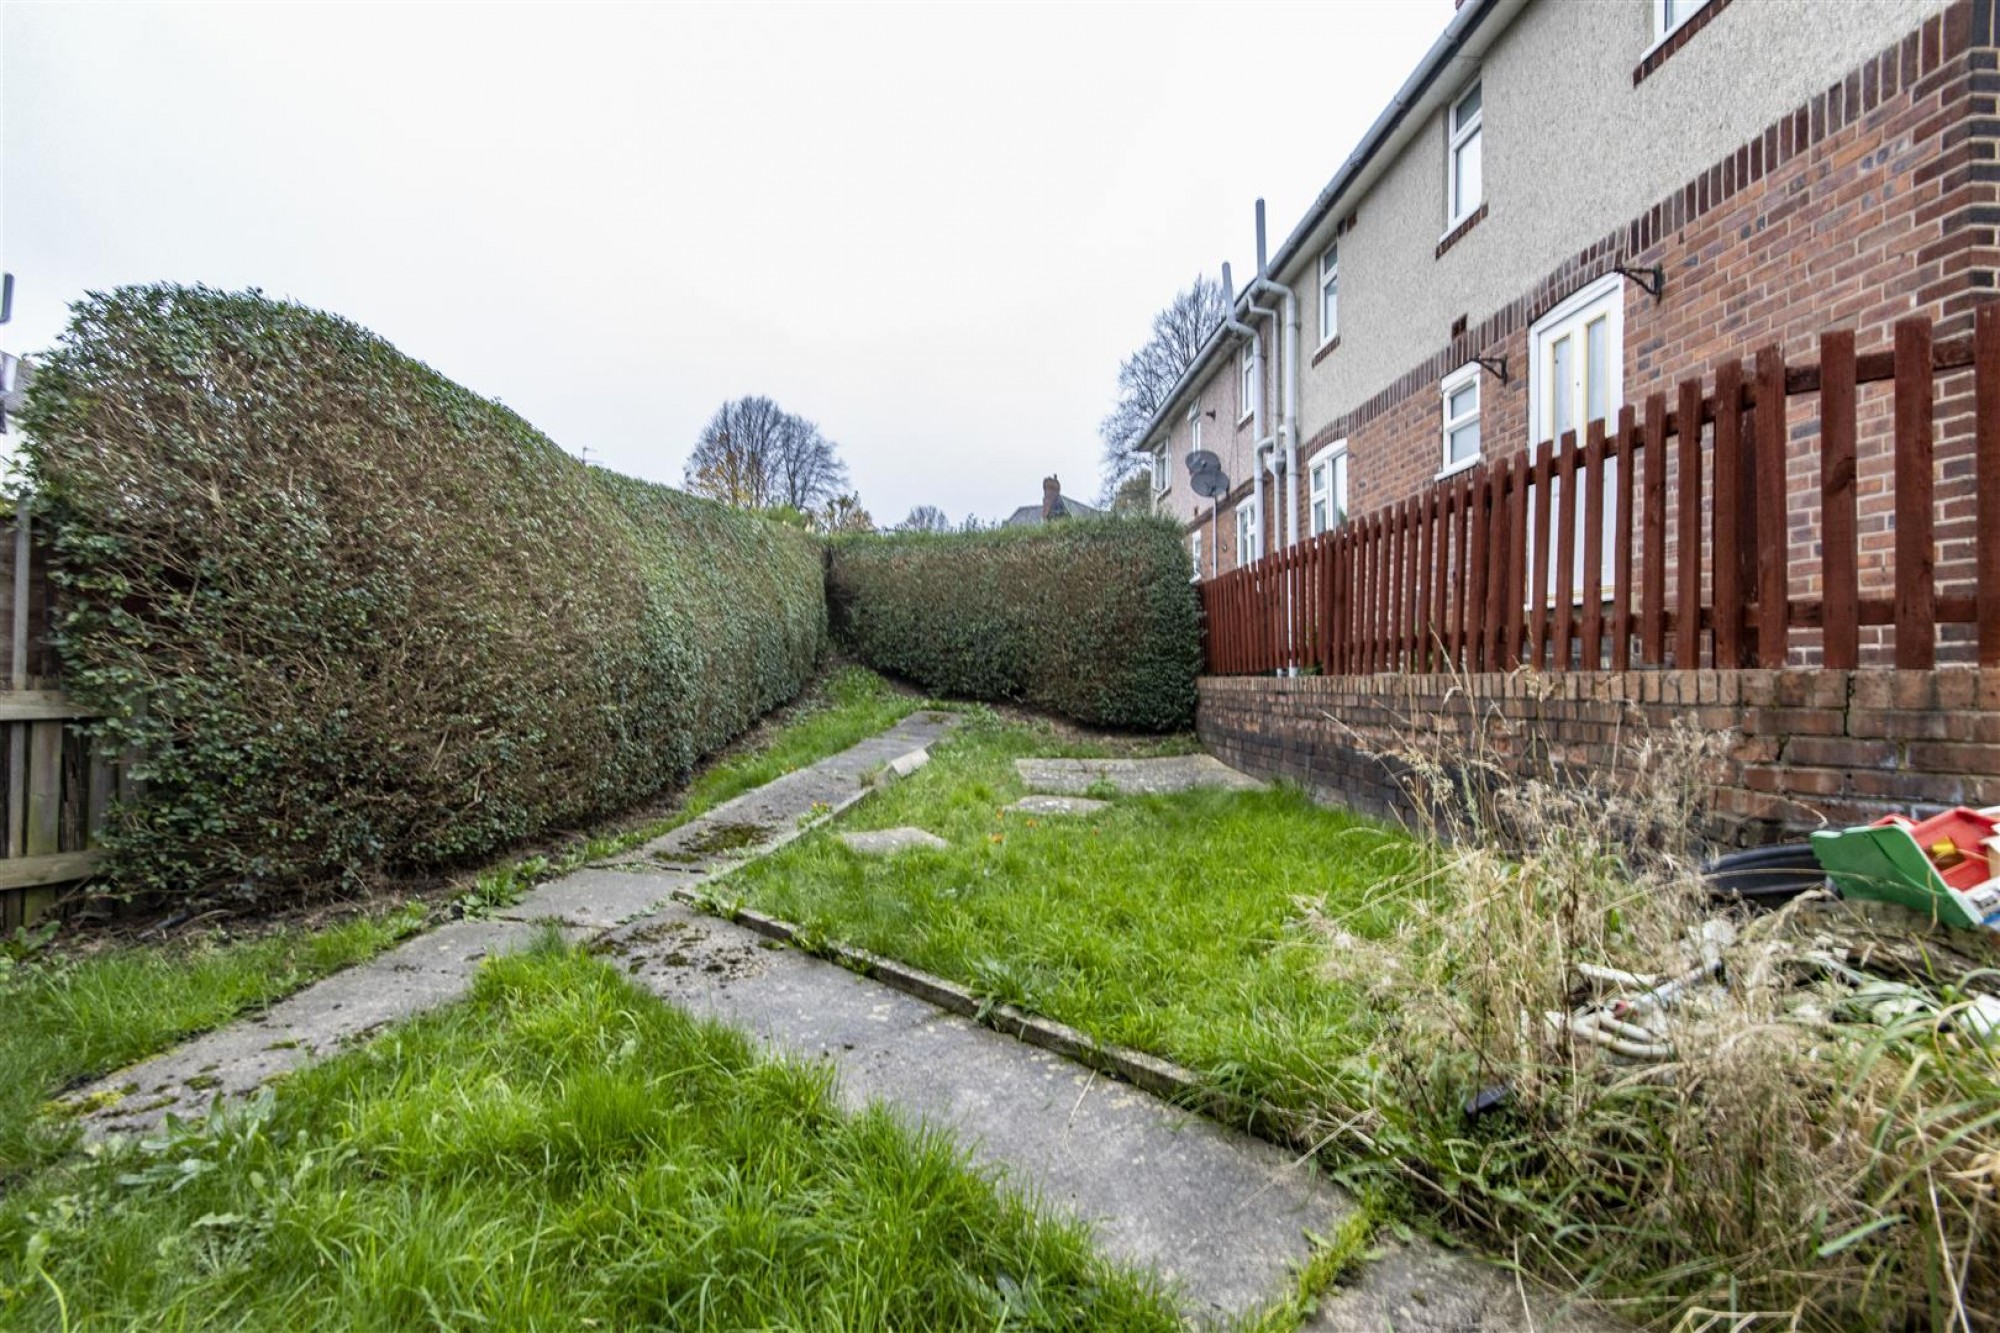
(925, 518)
(843, 513)
(808, 471)
(755, 455)
(735, 458)
(1149, 375)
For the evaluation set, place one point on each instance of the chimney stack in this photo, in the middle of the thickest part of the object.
(1051, 496)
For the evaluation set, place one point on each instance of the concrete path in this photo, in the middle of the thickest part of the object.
(436, 967)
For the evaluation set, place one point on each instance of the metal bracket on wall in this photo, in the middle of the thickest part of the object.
(1652, 280)
(1495, 366)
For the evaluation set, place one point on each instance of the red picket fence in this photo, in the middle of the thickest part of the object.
(1694, 551)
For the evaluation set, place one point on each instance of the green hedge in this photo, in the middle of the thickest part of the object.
(1093, 619)
(356, 617)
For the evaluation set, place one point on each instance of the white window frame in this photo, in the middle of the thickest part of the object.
(1319, 486)
(1194, 428)
(1457, 138)
(1570, 317)
(1246, 381)
(1249, 533)
(1163, 469)
(1670, 16)
(1448, 386)
(1329, 294)
(1194, 555)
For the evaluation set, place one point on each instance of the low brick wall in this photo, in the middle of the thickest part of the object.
(1807, 748)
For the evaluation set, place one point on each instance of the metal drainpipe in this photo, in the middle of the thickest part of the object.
(1238, 327)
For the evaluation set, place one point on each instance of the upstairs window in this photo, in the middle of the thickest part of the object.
(1326, 478)
(1329, 294)
(1246, 382)
(1669, 15)
(1194, 428)
(1162, 471)
(1467, 181)
(1461, 419)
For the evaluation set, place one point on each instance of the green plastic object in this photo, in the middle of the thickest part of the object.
(1885, 864)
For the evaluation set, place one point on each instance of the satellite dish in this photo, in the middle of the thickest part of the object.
(1209, 482)
(1203, 460)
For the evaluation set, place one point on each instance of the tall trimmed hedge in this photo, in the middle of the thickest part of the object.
(356, 617)
(1093, 619)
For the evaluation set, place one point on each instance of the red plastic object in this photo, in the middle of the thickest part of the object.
(1967, 830)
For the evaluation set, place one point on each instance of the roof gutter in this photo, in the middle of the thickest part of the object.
(1356, 171)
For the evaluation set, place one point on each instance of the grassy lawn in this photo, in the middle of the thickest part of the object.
(71, 1018)
(1171, 924)
(559, 1150)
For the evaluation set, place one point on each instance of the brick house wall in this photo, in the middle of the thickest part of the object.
(1806, 748)
(1874, 199)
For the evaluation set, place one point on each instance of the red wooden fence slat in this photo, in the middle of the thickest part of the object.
(1412, 564)
(1840, 582)
(1621, 545)
(1498, 542)
(1591, 656)
(1986, 474)
(1399, 519)
(1728, 522)
(1653, 589)
(1475, 572)
(1425, 558)
(1687, 592)
(1916, 553)
(1559, 647)
(1774, 588)
(1517, 555)
(1440, 520)
(1538, 618)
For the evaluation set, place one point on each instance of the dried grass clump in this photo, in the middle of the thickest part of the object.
(1781, 1168)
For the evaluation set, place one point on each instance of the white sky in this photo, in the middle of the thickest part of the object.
(933, 229)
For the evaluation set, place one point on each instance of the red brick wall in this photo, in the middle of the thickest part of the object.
(1878, 199)
(1808, 748)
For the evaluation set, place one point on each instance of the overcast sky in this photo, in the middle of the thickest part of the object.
(934, 229)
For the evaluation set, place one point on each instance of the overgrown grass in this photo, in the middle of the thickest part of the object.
(560, 1150)
(1172, 924)
(70, 1018)
(1787, 1162)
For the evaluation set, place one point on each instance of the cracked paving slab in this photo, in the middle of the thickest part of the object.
(1221, 1213)
(1133, 777)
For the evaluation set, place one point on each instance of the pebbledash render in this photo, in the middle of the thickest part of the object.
(1573, 203)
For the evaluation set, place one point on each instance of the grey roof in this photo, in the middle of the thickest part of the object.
(1065, 508)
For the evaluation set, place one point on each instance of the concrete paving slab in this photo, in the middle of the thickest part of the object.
(1423, 1286)
(598, 897)
(889, 841)
(1133, 777)
(233, 1062)
(761, 821)
(1222, 1214)
(1058, 805)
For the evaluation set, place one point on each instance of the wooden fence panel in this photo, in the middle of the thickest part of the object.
(1508, 563)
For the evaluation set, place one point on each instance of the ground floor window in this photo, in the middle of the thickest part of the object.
(1326, 481)
(1249, 542)
(1194, 551)
(1461, 419)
